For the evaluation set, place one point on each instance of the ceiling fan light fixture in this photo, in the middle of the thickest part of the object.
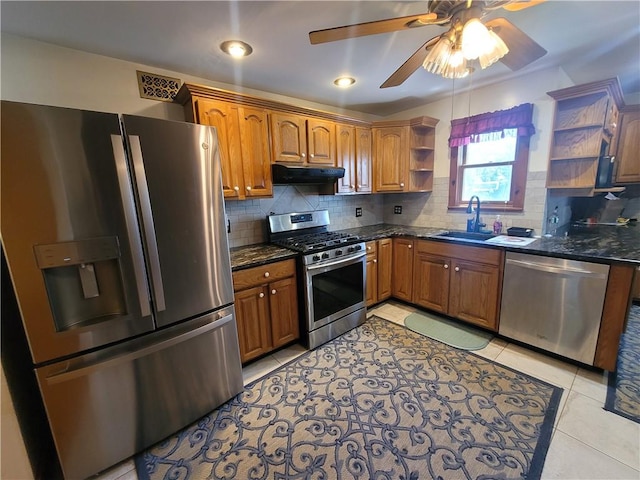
(476, 39)
(344, 82)
(236, 48)
(438, 56)
(498, 51)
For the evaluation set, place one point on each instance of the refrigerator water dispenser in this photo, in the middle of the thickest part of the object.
(83, 281)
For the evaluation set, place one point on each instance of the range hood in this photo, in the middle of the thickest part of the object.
(289, 174)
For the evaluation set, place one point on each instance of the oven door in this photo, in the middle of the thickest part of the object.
(334, 289)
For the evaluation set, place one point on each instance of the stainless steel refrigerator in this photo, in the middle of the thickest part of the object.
(114, 234)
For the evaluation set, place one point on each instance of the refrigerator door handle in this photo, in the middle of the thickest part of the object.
(78, 368)
(133, 234)
(147, 220)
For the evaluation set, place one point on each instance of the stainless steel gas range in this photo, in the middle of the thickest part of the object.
(332, 273)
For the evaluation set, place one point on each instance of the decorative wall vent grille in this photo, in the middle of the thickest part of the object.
(157, 87)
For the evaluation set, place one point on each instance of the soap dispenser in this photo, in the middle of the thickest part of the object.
(497, 225)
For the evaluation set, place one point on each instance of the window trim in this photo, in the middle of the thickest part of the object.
(518, 180)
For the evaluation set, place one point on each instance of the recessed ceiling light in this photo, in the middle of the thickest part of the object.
(344, 82)
(236, 48)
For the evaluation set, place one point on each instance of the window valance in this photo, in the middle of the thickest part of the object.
(467, 130)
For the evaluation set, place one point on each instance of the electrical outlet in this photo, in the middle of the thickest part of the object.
(358, 211)
(397, 209)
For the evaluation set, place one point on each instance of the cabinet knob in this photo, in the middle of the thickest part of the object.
(261, 295)
(457, 269)
(273, 292)
(359, 186)
(368, 248)
(375, 261)
(402, 185)
(409, 246)
(236, 188)
(266, 274)
(351, 187)
(446, 266)
(311, 155)
(303, 155)
(248, 189)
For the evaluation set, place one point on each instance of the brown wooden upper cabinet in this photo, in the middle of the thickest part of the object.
(403, 155)
(243, 138)
(302, 140)
(586, 118)
(353, 153)
(628, 151)
(390, 157)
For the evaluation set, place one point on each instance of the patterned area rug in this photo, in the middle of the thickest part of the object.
(623, 393)
(379, 402)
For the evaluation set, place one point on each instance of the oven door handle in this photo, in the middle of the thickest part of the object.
(339, 262)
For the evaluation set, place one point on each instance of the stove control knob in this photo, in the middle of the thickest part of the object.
(338, 252)
(315, 258)
(357, 247)
(325, 256)
(351, 249)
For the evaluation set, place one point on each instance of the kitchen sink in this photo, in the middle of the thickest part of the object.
(480, 237)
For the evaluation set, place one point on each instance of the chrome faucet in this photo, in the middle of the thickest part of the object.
(474, 225)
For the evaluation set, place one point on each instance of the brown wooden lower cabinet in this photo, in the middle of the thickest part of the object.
(402, 276)
(266, 301)
(379, 263)
(459, 281)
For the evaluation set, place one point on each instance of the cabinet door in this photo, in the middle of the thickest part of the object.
(372, 280)
(385, 259)
(431, 282)
(628, 152)
(363, 160)
(288, 138)
(224, 117)
(390, 158)
(283, 301)
(256, 161)
(474, 293)
(346, 158)
(252, 313)
(321, 142)
(402, 281)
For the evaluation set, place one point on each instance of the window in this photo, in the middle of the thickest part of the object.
(489, 158)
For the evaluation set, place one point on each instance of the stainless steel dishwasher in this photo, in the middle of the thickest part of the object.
(553, 303)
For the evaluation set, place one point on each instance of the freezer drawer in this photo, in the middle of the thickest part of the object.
(105, 406)
(553, 303)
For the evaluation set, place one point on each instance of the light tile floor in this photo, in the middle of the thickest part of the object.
(588, 442)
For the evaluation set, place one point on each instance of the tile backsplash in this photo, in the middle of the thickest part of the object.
(248, 217)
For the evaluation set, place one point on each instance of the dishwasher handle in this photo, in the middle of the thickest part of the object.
(542, 267)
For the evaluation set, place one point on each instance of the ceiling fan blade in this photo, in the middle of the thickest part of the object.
(521, 5)
(411, 65)
(371, 28)
(522, 48)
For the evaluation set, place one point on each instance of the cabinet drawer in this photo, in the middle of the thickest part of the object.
(489, 256)
(263, 274)
(372, 247)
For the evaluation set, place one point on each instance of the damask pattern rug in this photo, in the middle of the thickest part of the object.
(623, 393)
(379, 402)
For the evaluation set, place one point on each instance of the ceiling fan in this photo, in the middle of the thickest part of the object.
(522, 49)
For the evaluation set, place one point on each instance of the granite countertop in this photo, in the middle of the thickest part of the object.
(601, 243)
(258, 254)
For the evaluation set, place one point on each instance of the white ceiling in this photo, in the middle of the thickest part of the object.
(590, 40)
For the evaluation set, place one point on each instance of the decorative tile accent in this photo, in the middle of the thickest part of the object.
(157, 87)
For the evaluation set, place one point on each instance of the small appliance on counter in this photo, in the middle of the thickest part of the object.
(519, 232)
